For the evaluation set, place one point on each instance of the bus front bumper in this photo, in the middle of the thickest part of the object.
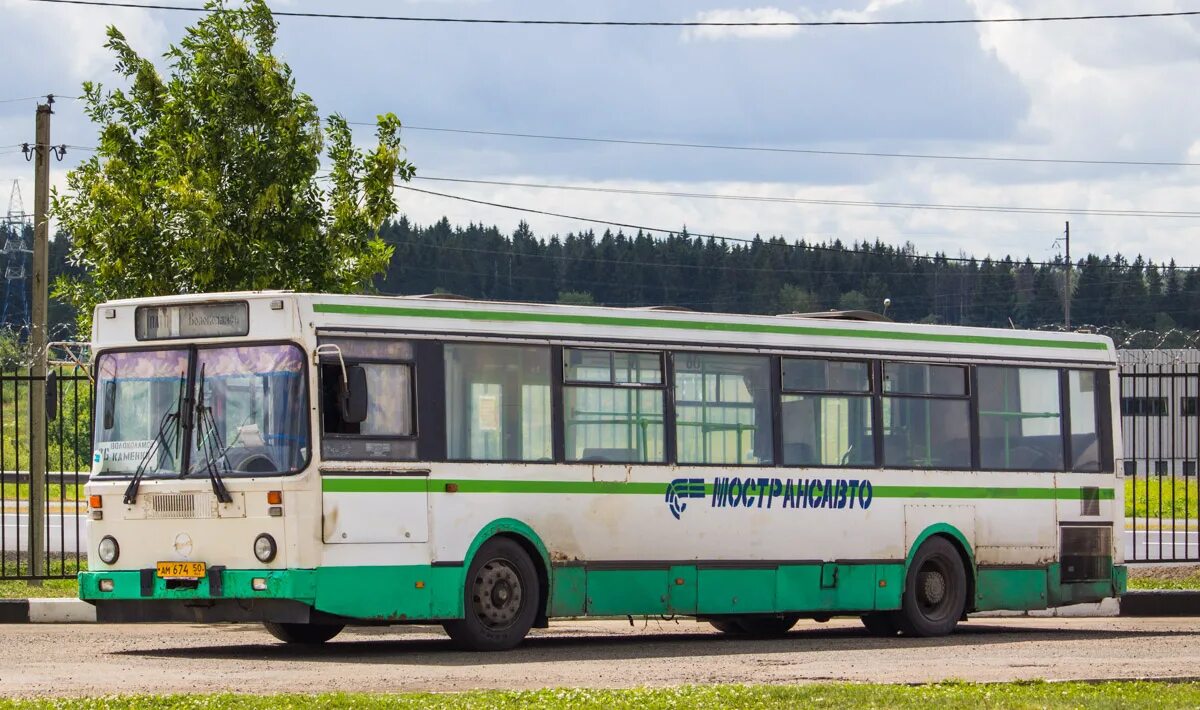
(222, 595)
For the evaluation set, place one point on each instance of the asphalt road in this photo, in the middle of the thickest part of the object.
(65, 534)
(104, 659)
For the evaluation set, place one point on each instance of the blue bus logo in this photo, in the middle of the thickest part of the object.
(681, 489)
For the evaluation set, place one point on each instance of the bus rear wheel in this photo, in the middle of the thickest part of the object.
(308, 634)
(500, 598)
(935, 592)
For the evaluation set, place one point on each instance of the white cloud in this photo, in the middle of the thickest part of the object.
(760, 14)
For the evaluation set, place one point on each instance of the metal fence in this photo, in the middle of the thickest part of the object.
(68, 459)
(1160, 431)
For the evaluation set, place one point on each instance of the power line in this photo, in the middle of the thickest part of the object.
(39, 97)
(765, 242)
(798, 151)
(834, 203)
(22, 98)
(648, 23)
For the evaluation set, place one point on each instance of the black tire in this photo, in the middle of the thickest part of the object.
(880, 623)
(755, 626)
(935, 590)
(500, 598)
(768, 626)
(728, 626)
(307, 634)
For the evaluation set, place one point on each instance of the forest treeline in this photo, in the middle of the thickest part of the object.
(777, 276)
(764, 276)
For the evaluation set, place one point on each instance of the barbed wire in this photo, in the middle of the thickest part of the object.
(1143, 346)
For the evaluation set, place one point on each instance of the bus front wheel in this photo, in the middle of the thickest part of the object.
(935, 591)
(309, 634)
(500, 598)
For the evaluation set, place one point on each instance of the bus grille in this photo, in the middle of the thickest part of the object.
(180, 505)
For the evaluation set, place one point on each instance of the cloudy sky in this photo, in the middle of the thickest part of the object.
(1120, 90)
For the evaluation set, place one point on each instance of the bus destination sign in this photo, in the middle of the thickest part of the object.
(196, 320)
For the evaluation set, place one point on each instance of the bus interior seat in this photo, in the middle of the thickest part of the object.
(611, 455)
(799, 453)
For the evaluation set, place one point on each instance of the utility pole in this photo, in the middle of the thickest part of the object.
(37, 342)
(1067, 290)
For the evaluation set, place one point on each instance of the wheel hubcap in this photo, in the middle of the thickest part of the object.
(497, 594)
(933, 587)
(935, 595)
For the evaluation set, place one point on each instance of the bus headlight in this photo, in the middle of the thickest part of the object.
(264, 548)
(108, 549)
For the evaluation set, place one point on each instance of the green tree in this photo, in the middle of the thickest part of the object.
(206, 179)
(855, 301)
(793, 299)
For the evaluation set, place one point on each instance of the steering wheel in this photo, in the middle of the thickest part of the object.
(256, 463)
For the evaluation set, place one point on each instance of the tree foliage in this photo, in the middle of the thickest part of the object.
(206, 179)
(778, 276)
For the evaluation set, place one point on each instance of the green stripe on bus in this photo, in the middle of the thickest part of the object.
(634, 322)
(418, 485)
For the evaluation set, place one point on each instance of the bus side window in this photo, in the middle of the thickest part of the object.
(613, 406)
(389, 431)
(926, 416)
(1020, 419)
(498, 403)
(723, 409)
(827, 413)
(1083, 398)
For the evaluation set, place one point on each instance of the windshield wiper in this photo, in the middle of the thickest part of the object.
(208, 443)
(168, 427)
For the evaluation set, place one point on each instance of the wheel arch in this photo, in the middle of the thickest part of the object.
(960, 543)
(529, 541)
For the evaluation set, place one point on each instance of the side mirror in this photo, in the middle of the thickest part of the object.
(110, 403)
(51, 395)
(354, 395)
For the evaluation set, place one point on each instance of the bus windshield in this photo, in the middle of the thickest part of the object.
(243, 412)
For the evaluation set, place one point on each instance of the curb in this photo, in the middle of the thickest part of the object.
(1108, 607)
(46, 611)
(1156, 603)
(1161, 603)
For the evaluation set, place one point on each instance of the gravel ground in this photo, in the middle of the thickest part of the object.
(98, 659)
(1176, 572)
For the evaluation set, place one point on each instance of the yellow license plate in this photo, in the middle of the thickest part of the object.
(181, 570)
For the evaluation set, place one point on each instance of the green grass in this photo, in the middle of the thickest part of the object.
(17, 589)
(1164, 577)
(944, 696)
(1178, 497)
(55, 492)
(50, 588)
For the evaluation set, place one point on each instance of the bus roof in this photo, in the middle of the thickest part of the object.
(434, 314)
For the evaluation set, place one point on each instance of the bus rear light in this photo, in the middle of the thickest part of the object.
(259, 584)
(106, 585)
(95, 502)
(97, 515)
(274, 497)
(275, 511)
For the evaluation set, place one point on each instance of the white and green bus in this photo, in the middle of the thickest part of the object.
(315, 461)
